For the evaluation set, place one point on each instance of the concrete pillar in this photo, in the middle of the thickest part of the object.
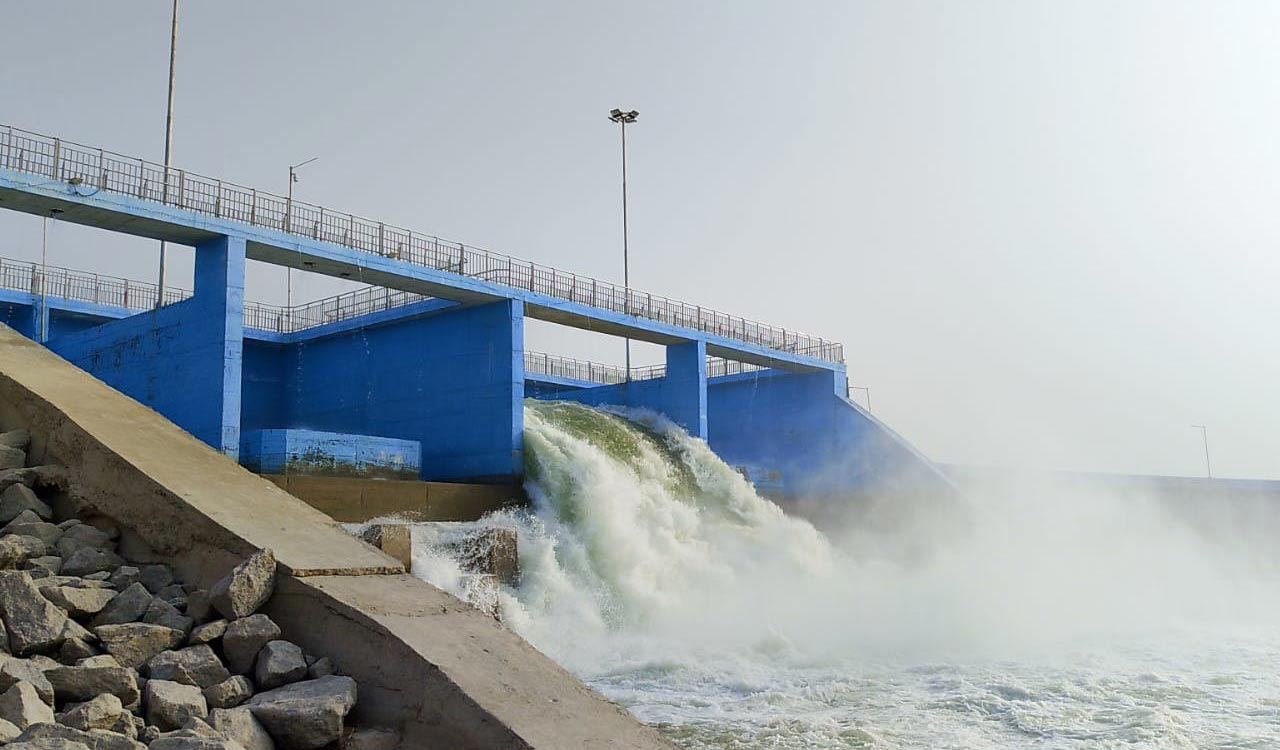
(684, 394)
(183, 360)
(219, 294)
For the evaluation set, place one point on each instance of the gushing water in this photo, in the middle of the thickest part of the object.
(1049, 618)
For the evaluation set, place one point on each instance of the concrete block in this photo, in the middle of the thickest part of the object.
(394, 539)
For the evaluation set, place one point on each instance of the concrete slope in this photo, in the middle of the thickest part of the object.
(441, 672)
(219, 502)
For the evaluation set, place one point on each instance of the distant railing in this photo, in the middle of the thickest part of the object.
(88, 170)
(593, 372)
(139, 296)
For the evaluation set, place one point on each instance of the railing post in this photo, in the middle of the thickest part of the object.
(319, 224)
(142, 179)
(253, 207)
(182, 188)
(57, 159)
(126, 294)
(96, 287)
(217, 200)
(381, 229)
(102, 169)
(8, 156)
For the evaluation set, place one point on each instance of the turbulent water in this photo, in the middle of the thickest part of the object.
(1047, 618)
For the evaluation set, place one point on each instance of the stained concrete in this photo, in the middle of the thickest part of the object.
(439, 670)
(352, 500)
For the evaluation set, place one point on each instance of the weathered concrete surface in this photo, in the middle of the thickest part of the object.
(351, 500)
(428, 664)
(180, 497)
(466, 681)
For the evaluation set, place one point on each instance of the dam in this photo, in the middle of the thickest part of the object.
(423, 373)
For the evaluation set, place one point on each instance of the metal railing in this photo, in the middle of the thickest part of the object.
(552, 365)
(139, 296)
(89, 170)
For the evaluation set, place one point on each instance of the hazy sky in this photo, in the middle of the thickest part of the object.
(1046, 231)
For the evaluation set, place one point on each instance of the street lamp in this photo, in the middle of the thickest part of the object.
(623, 119)
(1204, 434)
(168, 141)
(288, 226)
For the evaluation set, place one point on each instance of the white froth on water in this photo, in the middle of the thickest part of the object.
(1041, 617)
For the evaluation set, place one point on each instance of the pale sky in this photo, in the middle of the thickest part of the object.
(1045, 231)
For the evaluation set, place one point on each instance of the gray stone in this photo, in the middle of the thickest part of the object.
(247, 587)
(244, 639)
(103, 712)
(75, 649)
(134, 643)
(239, 724)
(18, 438)
(33, 622)
(83, 536)
(19, 497)
(29, 524)
(208, 632)
(89, 680)
(194, 743)
(88, 560)
(194, 665)
(172, 593)
(160, 612)
(101, 577)
(12, 458)
(229, 693)
(322, 667)
(279, 663)
(127, 606)
(100, 660)
(16, 550)
(199, 608)
(22, 706)
(94, 739)
(8, 731)
(76, 601)
(13, 669)
(156, 577)
(57, 478)
(171, 704)
(73, 629)
(124, 576)
(44, 566)
(306, 715)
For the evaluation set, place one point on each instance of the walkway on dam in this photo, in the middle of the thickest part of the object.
(110, 297)
(95, 187)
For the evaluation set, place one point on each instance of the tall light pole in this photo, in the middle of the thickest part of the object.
(623, 119)
(288, 225)
(168, 141)
(1204, 434)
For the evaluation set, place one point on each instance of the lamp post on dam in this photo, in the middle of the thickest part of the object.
(623, 119)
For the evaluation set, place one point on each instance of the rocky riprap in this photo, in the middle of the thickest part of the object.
(97, 653)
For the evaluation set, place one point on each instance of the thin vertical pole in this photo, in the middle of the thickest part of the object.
(168, 141)
(1204, 434)
(626, 264)
(44, 276)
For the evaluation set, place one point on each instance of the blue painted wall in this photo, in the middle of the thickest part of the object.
(265, 390)
(795, 432)
(453, 381)
(183, 360)
(681, 394)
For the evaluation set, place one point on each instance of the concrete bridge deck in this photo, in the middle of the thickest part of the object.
(95, 187)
